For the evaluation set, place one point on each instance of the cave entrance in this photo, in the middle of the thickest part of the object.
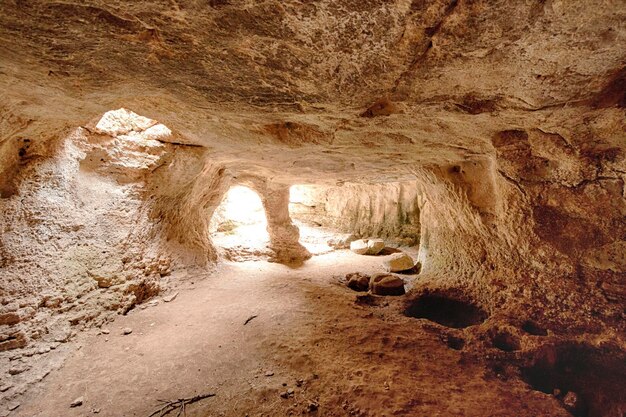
(239, 225)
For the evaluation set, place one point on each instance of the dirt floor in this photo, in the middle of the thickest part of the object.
(309, 341)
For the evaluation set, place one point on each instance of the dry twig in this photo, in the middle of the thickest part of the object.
(250, 319)
(180, 405)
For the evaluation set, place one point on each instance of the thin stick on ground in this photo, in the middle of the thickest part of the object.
(180, 405)
(250, 319)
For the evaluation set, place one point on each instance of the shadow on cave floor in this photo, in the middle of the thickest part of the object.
(447, 311)
(273, 341)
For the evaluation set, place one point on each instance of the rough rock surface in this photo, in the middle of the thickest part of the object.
(501, 124)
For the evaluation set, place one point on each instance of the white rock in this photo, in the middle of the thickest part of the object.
(77, 402)
(374, 246)
(341, 242)
(398, 262)
(359, 247)
(127, 330)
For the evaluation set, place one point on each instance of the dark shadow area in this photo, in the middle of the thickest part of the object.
(456, 343)
(446, 311)
(533, 328)
(388, 251)
(589, 382)
(417, 268)
(505, 341)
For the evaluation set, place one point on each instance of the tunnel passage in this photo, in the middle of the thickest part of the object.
(385, 210)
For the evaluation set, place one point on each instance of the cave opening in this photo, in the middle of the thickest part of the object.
(239, 225)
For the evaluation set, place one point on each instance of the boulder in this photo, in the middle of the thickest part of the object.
(359, 247)
(358, 281)
(374, 246)
(386, 284)
(398, 262)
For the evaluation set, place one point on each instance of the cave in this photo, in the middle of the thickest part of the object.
(332, 208)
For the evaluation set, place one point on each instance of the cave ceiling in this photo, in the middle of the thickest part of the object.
(340, 90)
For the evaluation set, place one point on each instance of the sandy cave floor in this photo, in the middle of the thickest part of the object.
(352, 359)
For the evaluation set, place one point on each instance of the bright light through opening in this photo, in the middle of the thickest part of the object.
(239, 225)
(242, 205)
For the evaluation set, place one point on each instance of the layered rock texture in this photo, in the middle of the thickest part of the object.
(492, 133)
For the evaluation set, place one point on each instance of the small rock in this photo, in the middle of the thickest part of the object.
(374, 246)
(62, 335)
(6, 387)
(288, 393)
(42, 350)
(105, 331)
(312, 407)
(398, 262)
(299, 382)
(18, 369)
(95, 410)
(341, 242)
(77, 402)
(386, 284)
(127, 330)
(358, 281)
(571, 401)
(269, 373)
(30, 352)
(13, 406)
(170, 297)
(359, 247)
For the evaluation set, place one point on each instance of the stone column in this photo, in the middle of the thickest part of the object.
(284, 235)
